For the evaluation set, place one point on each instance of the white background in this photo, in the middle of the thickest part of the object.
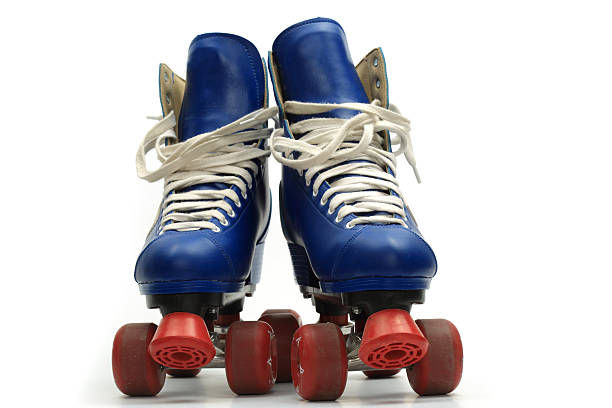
(510, 103)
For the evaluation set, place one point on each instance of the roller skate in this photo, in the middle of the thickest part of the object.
(203, 255)
(355, 247)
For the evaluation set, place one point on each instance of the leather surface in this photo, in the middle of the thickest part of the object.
(337, 253)
(225, 80)
(171, 91)
(372, 71)
(381, 255)
(314, 65)
(205, 255)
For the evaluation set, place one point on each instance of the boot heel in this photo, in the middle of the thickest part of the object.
(302, 269)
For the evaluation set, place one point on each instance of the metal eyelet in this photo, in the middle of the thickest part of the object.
(375, 62)
(224, 222)
(216, 229)
(231, 213)
(244, 195)
(338, 220)
(315, 193)
(238, 204)
(378, 83)
(307, 182)
(349, 225)
(329, 211)
(168, 99)
(165, 76)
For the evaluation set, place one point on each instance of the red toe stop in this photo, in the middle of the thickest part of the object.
(182, 341)
(392, 340)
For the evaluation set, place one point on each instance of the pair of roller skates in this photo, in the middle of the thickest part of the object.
(355, 247)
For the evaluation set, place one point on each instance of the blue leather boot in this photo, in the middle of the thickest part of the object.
(355, 246)
(204, 252)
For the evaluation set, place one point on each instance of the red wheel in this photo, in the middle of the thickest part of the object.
(284, 322)
(380, 373)
(227, 319)
(318, 362)
(250, 357)
(276, 311)
(183, 373)
(340, 320)
(134, 370)
(439, 372)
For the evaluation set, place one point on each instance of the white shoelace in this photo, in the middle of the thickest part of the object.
(222, 156)
(335, 148)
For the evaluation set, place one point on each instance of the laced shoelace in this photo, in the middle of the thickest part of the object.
(349, 155)
(225, 155)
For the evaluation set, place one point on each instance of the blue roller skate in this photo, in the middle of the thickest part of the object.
(355, 246)
(204, 252)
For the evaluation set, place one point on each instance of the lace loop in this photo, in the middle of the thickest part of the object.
(330, 149)
(223, 156)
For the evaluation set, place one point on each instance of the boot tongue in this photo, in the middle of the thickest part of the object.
(225, 81)
(315, 65)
